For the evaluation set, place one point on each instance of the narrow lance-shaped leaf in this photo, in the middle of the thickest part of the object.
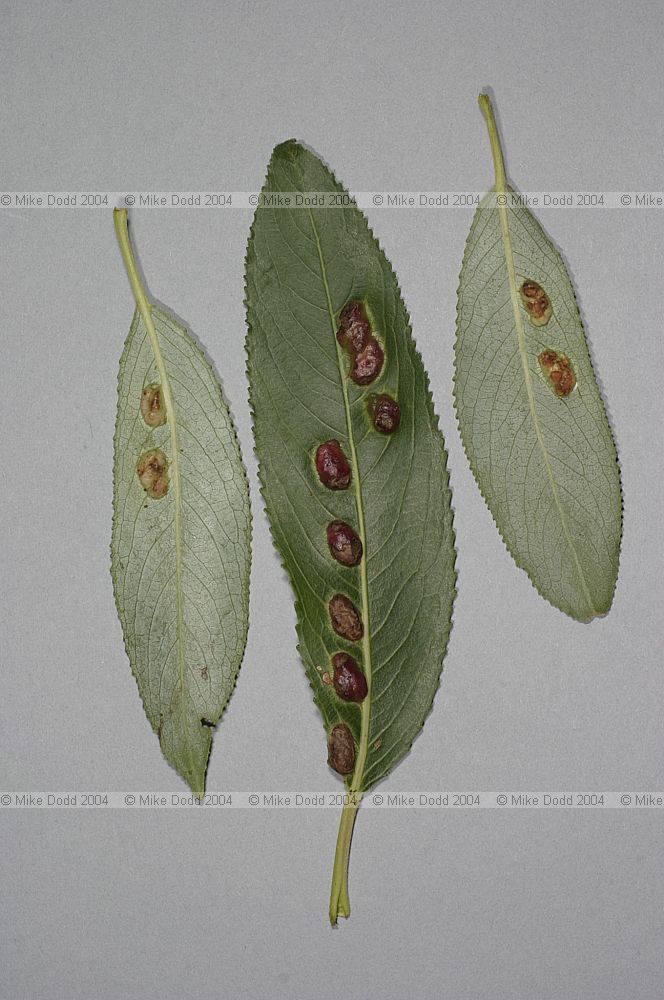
(354, 475)
(181, 531)
(530, 412)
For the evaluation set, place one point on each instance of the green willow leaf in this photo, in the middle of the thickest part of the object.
(181, 532)
(529, 409)
(305, 263)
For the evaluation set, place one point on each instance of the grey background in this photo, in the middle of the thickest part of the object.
(490, 904)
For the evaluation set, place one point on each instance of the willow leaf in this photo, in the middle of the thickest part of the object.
(181, 532)
(530, 411)
(305, 264)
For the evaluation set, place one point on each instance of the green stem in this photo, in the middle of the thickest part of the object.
(142, 301)
(486, 108)
(339, 901)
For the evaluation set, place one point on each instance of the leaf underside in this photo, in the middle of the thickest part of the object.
(184, 618)
(303, 266)
(546, 466)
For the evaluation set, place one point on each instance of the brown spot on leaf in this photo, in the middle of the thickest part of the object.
(349, 681)
(326, 679)
(152, 471)
(153, 409)
(344, 544)
(385, 413)
(204, 673)
(536, 303)
(377, 744)
(558, 371)
(332, 466)
(341, 749)
(345, 618)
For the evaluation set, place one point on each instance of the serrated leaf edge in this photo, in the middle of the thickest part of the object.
(471, 462)
(290, 143)
(216, 716)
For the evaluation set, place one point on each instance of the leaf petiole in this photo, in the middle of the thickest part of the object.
(486, 108)
(339, 901)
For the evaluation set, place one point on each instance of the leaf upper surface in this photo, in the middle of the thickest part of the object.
(303, 265)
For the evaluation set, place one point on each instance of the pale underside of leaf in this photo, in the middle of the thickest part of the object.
(546, 466)
(180, 564)
(303, 266)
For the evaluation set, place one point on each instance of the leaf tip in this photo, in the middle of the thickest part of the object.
(195, 779)
(288, 150)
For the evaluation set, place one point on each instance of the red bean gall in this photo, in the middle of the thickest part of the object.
(356, 335)
(385, 413)
(368, 363)
(341, 749)
(344, 543)
(153, 409)
(536, 303)
(354, 331)
(349, 681)
(345, 618)
(332, 466)
(558, 371)
(152, 471)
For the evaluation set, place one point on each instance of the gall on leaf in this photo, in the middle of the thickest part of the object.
(341, 749)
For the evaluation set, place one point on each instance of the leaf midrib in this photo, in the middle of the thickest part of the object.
(145, 308)
(176, 480)
(521, 338)
(501, 187)
(365, 707)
